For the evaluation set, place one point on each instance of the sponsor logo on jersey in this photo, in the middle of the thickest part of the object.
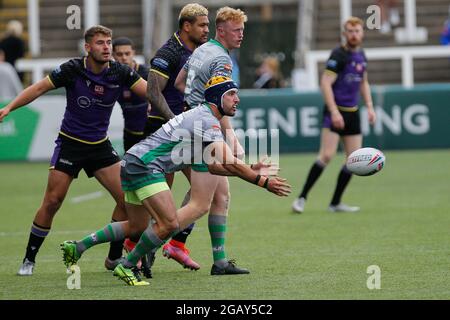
(99, 89)
(83, 102)
(331, 63)
(160, 63)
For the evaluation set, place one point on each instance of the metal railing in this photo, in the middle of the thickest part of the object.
(38, 67)
(405, 54)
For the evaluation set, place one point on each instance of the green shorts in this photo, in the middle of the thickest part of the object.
(136, 196)
(140, 181)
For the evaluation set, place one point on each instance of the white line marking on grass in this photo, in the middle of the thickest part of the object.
(21, 233)
(87, 197)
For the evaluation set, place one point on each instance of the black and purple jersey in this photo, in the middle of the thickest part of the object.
(90, 97)
(168, 61)
(350, 67)
(134, 108)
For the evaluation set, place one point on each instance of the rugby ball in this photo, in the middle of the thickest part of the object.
(366, 161)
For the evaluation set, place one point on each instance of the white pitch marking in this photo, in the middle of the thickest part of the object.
(87, 197)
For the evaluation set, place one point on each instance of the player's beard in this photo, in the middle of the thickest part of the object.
(98, 58)
(198, 41)
(354, 43)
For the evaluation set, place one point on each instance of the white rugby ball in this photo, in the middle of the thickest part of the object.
(366, 161)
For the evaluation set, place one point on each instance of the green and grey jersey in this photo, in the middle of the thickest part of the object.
(179, 142)
(209, 60)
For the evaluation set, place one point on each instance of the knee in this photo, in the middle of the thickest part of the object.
(52, 203)
(169, 228)
(202, 207)
(326, 158)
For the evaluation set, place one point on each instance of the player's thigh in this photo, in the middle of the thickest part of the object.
(161, 207)
(58, 184)
(203, 187)
(352, 143)
(109, 177)
(329, 142)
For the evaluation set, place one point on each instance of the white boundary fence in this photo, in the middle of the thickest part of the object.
(38, 67)
(406, 56)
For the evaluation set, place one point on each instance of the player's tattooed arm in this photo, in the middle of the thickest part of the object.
(155, 85)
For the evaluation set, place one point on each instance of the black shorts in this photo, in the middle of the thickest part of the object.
(152, 125)
(130, 139)
(351, 120)
(70, 156)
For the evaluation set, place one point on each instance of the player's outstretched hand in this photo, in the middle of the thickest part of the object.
(3, 113)
(264, 167)
(279, 186)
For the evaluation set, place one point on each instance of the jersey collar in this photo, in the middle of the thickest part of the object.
(86, 67)
(217, 43)
(177, 36)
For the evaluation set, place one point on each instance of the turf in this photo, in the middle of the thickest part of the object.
(403, 228)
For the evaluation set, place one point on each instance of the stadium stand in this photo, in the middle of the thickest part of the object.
(430, 14)
(126, 20)
(14, 10)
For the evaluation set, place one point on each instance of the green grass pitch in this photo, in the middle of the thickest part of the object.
(403, 228)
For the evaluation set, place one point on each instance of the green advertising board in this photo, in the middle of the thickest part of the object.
(16, 133)
(407, 119)
(417, 118)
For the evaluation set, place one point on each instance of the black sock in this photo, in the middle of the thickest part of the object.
(314, 174)
(342, 182)
(115, 248)
(37, 237)
(182, 236)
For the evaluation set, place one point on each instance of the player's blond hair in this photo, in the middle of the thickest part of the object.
(353, 21)
(98, 29)
(14, 27)
(190, 12)
(230, 14)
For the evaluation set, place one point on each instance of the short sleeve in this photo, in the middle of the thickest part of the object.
(64, 75)
(211, 131)
(221, 66)
(130, 76)
(336, 61)
(186, 65)
(165, 62)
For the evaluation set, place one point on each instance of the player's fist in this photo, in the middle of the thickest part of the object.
(337, 120)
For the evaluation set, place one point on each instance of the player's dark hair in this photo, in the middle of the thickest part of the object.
(92, 31)
(122, 41)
